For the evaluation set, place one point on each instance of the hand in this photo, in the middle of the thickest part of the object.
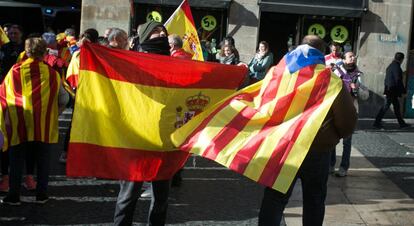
(242, 64)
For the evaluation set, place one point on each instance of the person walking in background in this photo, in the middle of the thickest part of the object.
(260, 63)
(350, 75)
(393, 89)
(35, 81)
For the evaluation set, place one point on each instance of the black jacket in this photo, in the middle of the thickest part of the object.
(8, 56)
(393, 84)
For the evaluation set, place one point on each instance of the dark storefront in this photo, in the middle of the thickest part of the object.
(283, 23)
(210, 17)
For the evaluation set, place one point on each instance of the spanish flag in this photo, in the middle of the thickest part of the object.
(265, 130)
(128, 104)
(3, 37)
(29, 103)
(181, 23)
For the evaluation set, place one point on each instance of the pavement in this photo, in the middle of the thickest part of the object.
(379, 190)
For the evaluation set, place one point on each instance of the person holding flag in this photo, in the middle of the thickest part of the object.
(279, 129)
(181, 23)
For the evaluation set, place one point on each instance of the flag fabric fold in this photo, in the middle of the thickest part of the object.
(29, 107)
(128, 104)
(181, 22)
(3, 37)
(265, 130)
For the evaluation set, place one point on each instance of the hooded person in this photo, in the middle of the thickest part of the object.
(153, 38)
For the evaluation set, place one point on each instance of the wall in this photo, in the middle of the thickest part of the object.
(385, 29)
(244, 27)
(101, 14)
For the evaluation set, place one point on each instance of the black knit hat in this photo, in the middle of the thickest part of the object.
(144, 30)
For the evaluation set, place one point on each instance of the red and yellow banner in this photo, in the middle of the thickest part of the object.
(3, 37)
(29, 106)
(265, 130)
(128, 104)
(181, 23)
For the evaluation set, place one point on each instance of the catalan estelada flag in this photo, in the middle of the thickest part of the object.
(3, 37)
(29, 103)
(181, 23)
(265, 130)
(128, 104)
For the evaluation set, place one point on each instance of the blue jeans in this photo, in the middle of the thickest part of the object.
(346, 153)
(314, 176)
(128, 196)
(17, 156)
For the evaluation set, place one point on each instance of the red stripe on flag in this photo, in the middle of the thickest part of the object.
(193, 137)
(187, 11)
(85, 160)
(52, 95)
(282, 150)
(18, 99)
(272, 88)
(36, 99)
(244, 155)
(150, 69)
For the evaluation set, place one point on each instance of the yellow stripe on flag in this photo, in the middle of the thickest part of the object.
(3, 37)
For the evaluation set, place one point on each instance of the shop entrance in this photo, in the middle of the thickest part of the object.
(280, 30)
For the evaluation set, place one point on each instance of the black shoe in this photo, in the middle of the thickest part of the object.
(11, 200)
(378, 125)
(41, 198)
(404, 125)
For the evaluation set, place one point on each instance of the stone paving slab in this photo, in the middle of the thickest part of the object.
(365, 197)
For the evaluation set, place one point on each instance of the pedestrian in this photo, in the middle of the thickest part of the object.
(40, 135)
(393, 89)
(260, 63)
(334, 57)
(118, 39)
(10, 51)
(176, 44)
(227, 55)
(350, 75)
(339, 122)
(153, 39)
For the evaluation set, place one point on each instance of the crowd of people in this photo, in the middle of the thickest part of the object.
(55, 57)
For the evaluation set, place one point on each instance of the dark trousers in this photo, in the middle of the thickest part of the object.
(346, 153)
(128, 196)
(314, 177)
(4, 155)
(390, 99)
(17, 158)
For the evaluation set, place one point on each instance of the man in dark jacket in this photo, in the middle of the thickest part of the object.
(339, 123)
(393, 89)
(10, 51)
(153, 39)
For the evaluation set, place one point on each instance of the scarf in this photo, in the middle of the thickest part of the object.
(156, 45)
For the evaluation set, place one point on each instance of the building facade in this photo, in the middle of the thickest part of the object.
(373, 29)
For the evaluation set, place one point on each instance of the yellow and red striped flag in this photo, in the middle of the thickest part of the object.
(265, 130)
(29, 104)
(3, 37)
(181, 23)
(128, 104)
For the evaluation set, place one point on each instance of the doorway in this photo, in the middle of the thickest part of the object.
(280, 31)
